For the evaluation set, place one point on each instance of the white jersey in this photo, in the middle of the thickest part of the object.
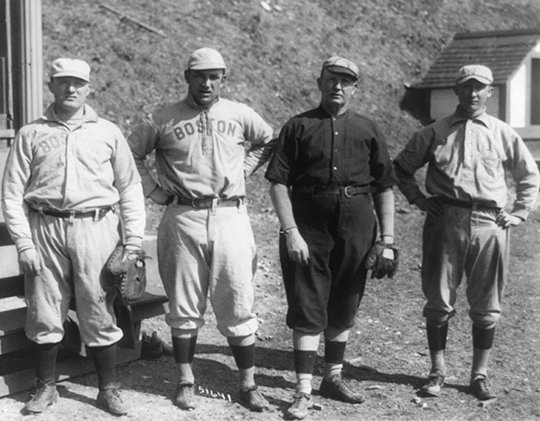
(201, 152)
(66, 167)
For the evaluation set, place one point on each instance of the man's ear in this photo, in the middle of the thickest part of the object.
(186, 75)
(490, 91)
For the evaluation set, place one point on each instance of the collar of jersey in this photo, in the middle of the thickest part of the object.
(459, 116)
(89, 116)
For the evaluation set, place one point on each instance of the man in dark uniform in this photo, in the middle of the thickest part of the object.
(326, 163)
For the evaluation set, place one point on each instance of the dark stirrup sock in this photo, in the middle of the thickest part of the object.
(482, 338)
(184, 349)
(334, 352)
(46, 356)
(436, 336)
(304, 361)
(243, 355)
(104, 358)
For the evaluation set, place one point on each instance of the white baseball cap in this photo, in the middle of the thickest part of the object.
(474, 71)
(70, 67)
(204, 59)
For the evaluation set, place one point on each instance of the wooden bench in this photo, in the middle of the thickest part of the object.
(17, 372)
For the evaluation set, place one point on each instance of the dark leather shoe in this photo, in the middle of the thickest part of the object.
(184, 396)
(434, 385)
(335, 388)
(480, 389)
(110, 400)
(253, 400)
(46, 394)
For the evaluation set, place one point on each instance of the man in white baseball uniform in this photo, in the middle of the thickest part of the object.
(205, 242)
(67, 175)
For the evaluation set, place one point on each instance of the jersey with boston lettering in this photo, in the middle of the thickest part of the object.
(201, 152)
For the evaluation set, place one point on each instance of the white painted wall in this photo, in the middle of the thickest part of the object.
(520, 118)
(517, 99)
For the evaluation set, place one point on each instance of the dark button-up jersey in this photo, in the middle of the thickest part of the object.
(316, 149)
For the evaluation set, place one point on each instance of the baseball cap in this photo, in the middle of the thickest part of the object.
(205, 58)
(341, 65)
(474, 71)
(70, 67)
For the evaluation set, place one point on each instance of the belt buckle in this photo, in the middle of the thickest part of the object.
(196, 203)
(346, 190)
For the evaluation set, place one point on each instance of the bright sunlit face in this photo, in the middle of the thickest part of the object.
(205, 85)
(473, 95)
(336, 89)
(70, 93)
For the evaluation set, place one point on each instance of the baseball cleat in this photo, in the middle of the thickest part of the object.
(335, 388)
(110, 400)
(253, 400)
(298, 410)
(434, 385)
(46, 395)
(480, 388)
(184, 396)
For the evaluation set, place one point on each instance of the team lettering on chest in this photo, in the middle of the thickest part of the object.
(189, 128)
(51, 142)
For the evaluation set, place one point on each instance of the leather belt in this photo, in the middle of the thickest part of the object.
(347, 191)
(207, 202)
(468, 205)
(96, 213)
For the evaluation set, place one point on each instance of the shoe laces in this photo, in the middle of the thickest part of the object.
(41, 389)
(299, 397)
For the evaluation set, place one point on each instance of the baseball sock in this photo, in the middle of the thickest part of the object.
(243, 350)
(333, 358)
(184, 353)
(184, 349)
(436, 336)
(46, 355)
(305, 352)
(482, 343)
(244, 356)
(104, 358)
(304, 362)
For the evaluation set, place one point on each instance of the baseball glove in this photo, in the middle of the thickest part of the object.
(125, 273)
(382, 260)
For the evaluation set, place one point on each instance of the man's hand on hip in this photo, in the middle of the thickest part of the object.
(506, 220)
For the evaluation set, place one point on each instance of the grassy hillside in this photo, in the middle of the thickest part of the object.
(274, 57)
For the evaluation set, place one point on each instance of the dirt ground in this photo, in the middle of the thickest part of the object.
(387, 357)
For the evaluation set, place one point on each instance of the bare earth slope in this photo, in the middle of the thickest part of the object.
(274, 58)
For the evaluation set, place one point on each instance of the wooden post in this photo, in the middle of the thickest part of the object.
(30, 44)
